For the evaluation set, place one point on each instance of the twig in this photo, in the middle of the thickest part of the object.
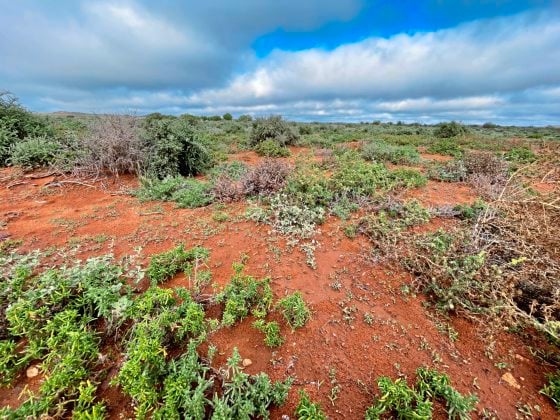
(59, 183)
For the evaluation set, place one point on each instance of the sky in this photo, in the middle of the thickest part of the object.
(310, 60)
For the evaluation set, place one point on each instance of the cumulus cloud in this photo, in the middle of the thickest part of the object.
(492, 56)
(178, 57)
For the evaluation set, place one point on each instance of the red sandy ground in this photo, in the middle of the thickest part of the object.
(402, 337)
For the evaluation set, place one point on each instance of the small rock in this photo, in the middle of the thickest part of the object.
(247, 362)
(32, 371)
(521, 358)
(510, 380)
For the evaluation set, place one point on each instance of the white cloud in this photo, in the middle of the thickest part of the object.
(482, 58)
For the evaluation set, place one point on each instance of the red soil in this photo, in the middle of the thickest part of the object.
(437, 193)
(403, 334)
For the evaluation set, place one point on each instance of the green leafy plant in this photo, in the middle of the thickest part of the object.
(245, 396)
(271, 148)
(295, 310)
(307, 409)
(243, 295)
(272, 128)
(405, 402)
(380, 151)
(446, 146)
(271, 331)
(175, 148)
(34, 152)
(186, 192)
(552, 389)
(450, 129)
(164, 266)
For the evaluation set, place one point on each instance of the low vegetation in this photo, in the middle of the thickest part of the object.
(86, 326)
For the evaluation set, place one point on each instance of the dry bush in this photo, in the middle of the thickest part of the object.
(112, 145)
(505, 265)
(486, 172)
(226, 190)
(266, 178)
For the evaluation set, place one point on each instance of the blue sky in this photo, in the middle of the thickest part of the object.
(327, 60)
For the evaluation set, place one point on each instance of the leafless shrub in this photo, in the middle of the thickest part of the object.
(266, 178)
(112, 145)
(226, 190)
(486, 172)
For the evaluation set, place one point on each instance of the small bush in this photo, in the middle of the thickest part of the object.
(408, 178)
(295, 310)
(16, 123)
(270, 148)
(34, 152)
(164, 266)
(452, 171)
(379, 151)
(186, 192)
(307, 409)
(447, 147)
(271, 331)
(520, 155)
(243, 295)
(266, 178)
(234, 170)
(245, 118)
(355, 178)
(294, 219)
(552, 389)
(417, 402)
(272, 128)
(309, 185)
(450, 129)
(226, 190)
(227, 116)
(174, 148)
(112, 144)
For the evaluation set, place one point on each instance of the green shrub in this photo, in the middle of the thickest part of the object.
(471, 211)
(294, 219)
(164, 266)
(227, 116)
(34, 152)
(552, 389)
(247, 396)
(379, 151)
(520, 155)
(245, 118)
(271, 331)
(307, 409)
(450, 129)
(446, 147)
(186, 192)
(243, 295)
(452, 171)
(408, 178)
(309, 185)
(174, 148)
(271, 148)
(8, 138)
(233, 170)
(295, 310)
(355, 178)
(16, 123)
(402, 401)
(272, 128)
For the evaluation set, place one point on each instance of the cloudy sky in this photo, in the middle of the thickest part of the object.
(328, 60)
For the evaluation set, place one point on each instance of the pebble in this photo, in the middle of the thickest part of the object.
(247, 362)
(32, 371)
(510, 380)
